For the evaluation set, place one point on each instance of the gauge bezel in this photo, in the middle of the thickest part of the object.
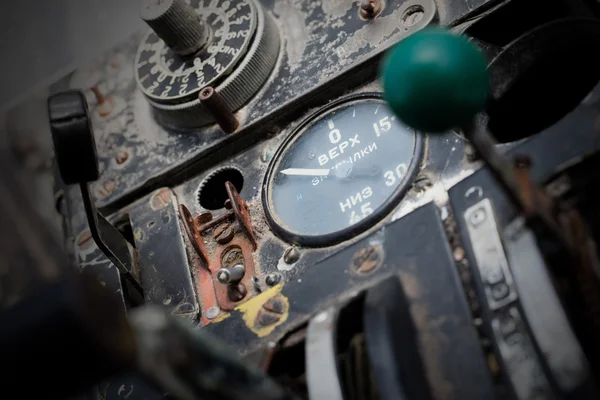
(336, 237)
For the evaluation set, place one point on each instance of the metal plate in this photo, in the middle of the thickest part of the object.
(542, 308)
(489, 254)
(514, 348)
(327, 49)
(521, 363)
(425, 265)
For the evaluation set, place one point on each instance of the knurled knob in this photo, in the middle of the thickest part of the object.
(177, 24)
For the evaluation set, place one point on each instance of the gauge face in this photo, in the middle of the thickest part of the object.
(166, 77)
(340, 172)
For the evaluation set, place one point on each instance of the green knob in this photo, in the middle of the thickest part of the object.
(435, 80)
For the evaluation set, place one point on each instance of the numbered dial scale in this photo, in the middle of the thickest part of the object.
(343, 170)
(166, 77)
(241, 49)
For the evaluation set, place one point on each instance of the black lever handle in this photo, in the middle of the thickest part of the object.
(75, 149)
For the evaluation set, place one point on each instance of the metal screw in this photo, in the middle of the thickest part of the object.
(273, 279)
(291, 255)
(84, 240)
(266, 155)
(213, 312)
(421, 183)
(121, 157)
(106, 189)
(237, 292)
(366, 259)
(223, 233)
(271, 312)
(500, 291)
(204, 217)
(369, 9)
(160, 199)
(231, 256)
(256, 283)
(105, 108)
(470, 153)
(508, 325)
(459, 254)
(412, 15)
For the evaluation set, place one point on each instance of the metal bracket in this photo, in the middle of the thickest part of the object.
(231, 245)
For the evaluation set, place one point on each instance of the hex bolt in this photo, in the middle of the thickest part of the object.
(219, 109)
(273, 279)
(232, 274)
(223, 233)
(291, 255)
(366, 259)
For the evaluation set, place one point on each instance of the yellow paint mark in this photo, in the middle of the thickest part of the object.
(138, 235)
(250, 311)
(221, 317)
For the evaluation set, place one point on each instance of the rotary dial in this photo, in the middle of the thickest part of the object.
(230, 45)
(165, 76)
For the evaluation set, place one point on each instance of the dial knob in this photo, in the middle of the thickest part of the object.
(177, 24)
(241, 50)
(435, 80)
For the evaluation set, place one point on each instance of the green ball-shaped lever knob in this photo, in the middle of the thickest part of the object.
(435, 80)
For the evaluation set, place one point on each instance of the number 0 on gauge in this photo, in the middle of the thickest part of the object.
(340, 172)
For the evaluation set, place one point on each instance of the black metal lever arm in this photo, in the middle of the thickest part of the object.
(75, 150)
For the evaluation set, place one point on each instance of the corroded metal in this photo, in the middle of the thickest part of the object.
(221, 243)
(219, 109)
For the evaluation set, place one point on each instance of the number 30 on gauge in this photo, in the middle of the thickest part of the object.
(341, 171)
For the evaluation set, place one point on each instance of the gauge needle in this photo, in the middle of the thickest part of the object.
(306, 171)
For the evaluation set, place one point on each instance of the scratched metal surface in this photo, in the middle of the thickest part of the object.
(322, 41)
(454, 361)
(562, 145)
(443, 164)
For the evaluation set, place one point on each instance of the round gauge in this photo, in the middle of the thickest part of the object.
(166, 77)
(340, 172)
